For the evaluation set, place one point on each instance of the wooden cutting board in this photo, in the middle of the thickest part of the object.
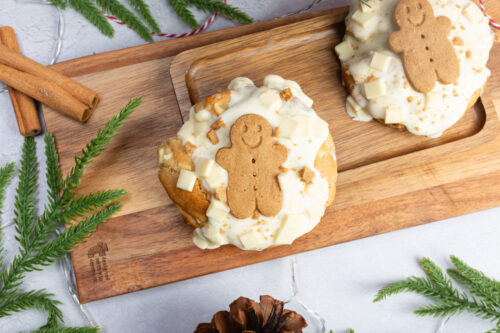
(391, 188)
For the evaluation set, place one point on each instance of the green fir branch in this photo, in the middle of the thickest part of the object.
(70, 237)
(25, 195)
(37, 248)
(37, 300)
(447, 300)
(6, 173)
(89, 10)
(222, 8)
(181, 8)
(477, 282)
(143, 9)
(68, 330)
(124, 14)
(60, 3)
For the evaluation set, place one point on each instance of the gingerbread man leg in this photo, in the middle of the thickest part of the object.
(241, 197)
(269, 198)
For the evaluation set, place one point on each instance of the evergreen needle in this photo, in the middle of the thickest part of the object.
(181, 8)
(35, 235)
(122, 13)
(89, 10)
(143, 9)
(448, 301)
(222, 8)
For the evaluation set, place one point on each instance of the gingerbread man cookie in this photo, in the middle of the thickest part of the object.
(428, 55)
(253, 165)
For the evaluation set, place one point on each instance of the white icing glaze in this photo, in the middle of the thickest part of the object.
(309, 201)
(425, 114)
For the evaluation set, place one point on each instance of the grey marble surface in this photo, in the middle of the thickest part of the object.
(338, 282)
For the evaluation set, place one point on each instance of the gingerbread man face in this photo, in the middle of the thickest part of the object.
(253, 165)
(251, 131)
(413, 13)
(428, 55)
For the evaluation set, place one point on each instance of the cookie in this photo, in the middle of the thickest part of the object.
(428, 55)
(268, 177)
(378, 80)
(253, 164)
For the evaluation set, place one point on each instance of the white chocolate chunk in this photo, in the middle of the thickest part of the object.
(344, 50)
(274, 81)
(161, 155)
(218, 210)
(356, 111)
(217, 177)
(375, 89)
(186, 180)
(203, 166)
(203, 115)
(186, 131)
(394, 116)
(380, 61)
(270, 99)
(473, 13)
(291, 228)
(289, 128)
(364, 19)
(315, 211)
(212, 233)
(251, 239)
(240, 82)
(168, 156)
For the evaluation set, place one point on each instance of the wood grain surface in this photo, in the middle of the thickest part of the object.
(150, 245)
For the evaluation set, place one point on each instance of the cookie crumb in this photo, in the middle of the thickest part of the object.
(458, 41)
(189, 147)
(220, 194)
(283, 169)
(212, 136)
(255, 215)
(218, 124)
(276, 132)
(306, 175)
(286, 94)
(468, 54)
(409, 99)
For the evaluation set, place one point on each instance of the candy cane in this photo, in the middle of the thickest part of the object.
(200, 29)
(493, 23)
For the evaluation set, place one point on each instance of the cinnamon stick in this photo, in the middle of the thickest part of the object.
(24, 106)
(46, 92)
(84, 95)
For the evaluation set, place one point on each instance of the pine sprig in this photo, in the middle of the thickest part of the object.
(70, 237)
(124, 14)
(68, 330)
(143, 9)
(482, 299)
(181, 8)
(37, 300)
(6, 173)
(37, 246)
(93, 10)
(25, 195)
(217, 6)
(89, 10)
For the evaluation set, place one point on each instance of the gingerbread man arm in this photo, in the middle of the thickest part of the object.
(396, 41)
(280, 153)
(223, 157)
(443, 25)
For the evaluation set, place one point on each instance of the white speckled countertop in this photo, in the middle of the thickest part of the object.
(337, 282)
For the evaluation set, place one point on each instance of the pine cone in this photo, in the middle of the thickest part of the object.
(247, 316)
